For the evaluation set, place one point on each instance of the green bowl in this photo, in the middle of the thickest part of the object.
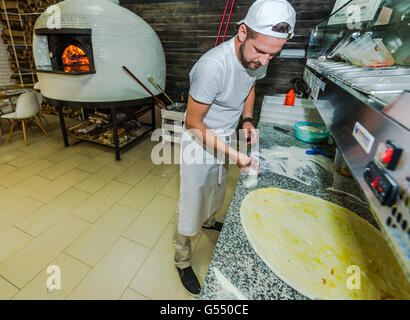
(311, 132)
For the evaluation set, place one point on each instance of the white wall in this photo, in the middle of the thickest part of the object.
(5, 71)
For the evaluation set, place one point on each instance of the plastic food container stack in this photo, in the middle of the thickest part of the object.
(369, 52)
(274, 111)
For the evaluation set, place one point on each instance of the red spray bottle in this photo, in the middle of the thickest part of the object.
(290, 97)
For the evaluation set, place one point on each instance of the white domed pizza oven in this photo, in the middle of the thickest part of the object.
(80, 47)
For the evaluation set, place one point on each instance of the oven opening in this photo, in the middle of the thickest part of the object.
(74, 59)
(70, 51)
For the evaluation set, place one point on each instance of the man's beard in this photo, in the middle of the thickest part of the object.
(244, 62)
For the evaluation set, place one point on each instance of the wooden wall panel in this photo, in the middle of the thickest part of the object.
(187, 29)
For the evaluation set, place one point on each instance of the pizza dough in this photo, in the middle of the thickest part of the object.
(310, 243)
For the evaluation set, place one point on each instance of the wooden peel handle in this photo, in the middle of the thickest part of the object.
(146, 89)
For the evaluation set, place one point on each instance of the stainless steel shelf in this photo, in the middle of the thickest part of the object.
(342, 107)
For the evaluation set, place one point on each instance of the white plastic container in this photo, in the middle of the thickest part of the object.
(274, 111)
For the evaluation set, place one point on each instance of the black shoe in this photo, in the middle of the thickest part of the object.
(217, 227)
(190, 281)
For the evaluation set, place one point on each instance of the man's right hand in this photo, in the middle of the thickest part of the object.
(243, 161)
(247, 164)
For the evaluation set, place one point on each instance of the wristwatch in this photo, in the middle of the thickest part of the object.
(247, 120)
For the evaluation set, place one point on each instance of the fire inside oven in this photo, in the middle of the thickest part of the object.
(70, 50)
(74, 59)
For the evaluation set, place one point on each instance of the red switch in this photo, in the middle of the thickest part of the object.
(387, 155)
(375, 182)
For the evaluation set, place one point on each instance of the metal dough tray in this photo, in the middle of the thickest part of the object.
(386, 98)
(329, 63)
(342, 69)
(376, 80)
(374, 89)
(375, 73)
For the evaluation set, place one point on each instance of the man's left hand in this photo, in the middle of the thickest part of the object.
(250, 131)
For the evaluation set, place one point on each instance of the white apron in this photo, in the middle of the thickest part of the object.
(202, 186)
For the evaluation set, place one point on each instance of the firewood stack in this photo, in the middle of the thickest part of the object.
(36, 5)
(98, 128)
(21, 16)
(67, 112)
(18, 18)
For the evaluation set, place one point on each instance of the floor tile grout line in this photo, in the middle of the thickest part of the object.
(96, 174)
(45, 204)
(103, 213)
(133, 220)
(13, 203)
(35, 237)
(135, 291)
(130, 184)
(62, 252)
(68, 150)
(136, 242)
(24, 231)
(151, 249)
(85, 171)
(168, 182)
(89, 171)
(141, 178)
(171, 222)
(162, 232)
(102, 256)
(41, 269)
(123, 204)
(29, 176)
(15, 224)
(142, 263)
(30, 155)
(76, 259)
(80, 218)
(85, 230)
(139, 213)
(56, 196)
(10, 164)
(2, 277)
(22, 196)
(167, 196)
(99, 218)
(81, 280)
(67, 171)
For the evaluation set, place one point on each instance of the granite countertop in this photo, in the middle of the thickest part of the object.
(236, 271)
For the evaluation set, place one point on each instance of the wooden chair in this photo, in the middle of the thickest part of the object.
(27, 108)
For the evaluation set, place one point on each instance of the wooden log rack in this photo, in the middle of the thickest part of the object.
(143, 105)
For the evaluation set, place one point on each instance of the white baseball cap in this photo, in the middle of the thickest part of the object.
(264, 14)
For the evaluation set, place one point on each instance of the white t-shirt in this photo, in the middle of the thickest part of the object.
(219, 79)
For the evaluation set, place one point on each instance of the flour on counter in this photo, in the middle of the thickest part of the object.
(294, 163)
(226, 289)
(251, 181)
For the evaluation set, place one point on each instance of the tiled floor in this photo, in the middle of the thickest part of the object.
(107, 224)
